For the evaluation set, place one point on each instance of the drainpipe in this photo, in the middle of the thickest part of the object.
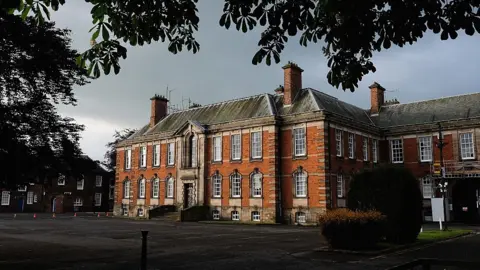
(279, 174)
(329, 162)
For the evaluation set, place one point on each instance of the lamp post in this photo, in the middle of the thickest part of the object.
(444, 184)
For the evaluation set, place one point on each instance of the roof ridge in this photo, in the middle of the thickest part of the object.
(339, 100)
(433, 99)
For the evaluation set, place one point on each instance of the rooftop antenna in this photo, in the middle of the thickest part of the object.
(168, 92)
(189, 102)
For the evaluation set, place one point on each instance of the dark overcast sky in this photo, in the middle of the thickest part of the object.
(222, 70)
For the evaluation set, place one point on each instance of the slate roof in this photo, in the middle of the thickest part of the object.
(429, 111)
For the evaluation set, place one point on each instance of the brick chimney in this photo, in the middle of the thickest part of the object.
(292, 77)
(158, 109)
(377, 97)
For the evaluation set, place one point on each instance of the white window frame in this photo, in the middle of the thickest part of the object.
(425, 148)
(299, 141)
(22, 188)
(78, 202)
(365, 149)
(126, 189)
(80, 184)
(156, 188)
(30, 197)
(140, 212)
(170, 187)
(396, 150)
(256, 185)
(217, 186)
(339, 142)
(98, 180)
(171, 154)
(98, 199)
(235, 215)
(235, 185)
(256, 145)
(156, 155)
(5, 198)
(194, 151)
(142, 188)
(35, 198)
(351, 145)
(128, 159)
(300, 182)
(256, 216)
(124, 209)
(216, 215)
(236, 146)
(61, 180)
(467, 146)
(340, 186)
(217, 148)
(427, 187)
(375, 151)
(300, 217)
(143, 156)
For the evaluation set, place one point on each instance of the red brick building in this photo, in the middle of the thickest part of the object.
(285, 156)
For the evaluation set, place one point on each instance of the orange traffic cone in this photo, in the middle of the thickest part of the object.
(106, 214)
(98, 215)
(75, 214)
(53, 215)
(34, 215)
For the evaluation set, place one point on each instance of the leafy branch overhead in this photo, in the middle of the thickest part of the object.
(349, 30)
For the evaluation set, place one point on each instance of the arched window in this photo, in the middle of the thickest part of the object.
(155, 188)
(141, 188)
(126, 189)
(256, 184)
(300, 182)
(235, 185)
(217, 185)
(170, 187)
(193, 151)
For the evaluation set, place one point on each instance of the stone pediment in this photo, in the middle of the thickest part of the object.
(190, 126)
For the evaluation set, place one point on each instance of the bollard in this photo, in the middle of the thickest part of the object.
(143, 265)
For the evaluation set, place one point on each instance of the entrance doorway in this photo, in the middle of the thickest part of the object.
(188, 195)
(466, 200)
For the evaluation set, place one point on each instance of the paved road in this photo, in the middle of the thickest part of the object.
(106, 243)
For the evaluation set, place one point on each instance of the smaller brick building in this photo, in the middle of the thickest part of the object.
(92, 191)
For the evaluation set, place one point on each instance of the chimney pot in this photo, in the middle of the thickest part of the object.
(292, 77)
(159, 109)
(377, 97)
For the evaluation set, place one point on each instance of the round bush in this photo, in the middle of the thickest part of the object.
(394, 192)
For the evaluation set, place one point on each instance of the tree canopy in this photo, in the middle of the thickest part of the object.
(37, 71)
(111, 154)
(349, 30)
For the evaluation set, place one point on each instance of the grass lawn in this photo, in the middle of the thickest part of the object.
(436, 235)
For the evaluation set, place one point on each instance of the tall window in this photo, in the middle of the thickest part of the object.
(78, 202)
(156, 155)
(98, 199)
(340, 186)
(467, 148)
(397, 150)
(126, 189)
(425, 148)
(351, 145)
(98, 180)
(128, 159)
(61, 180)
(171, 154)
(236, 148)
(339, 142)
(30, 197)
(143, 156)
(365, 149)
(256, 144)
(427, 187)
(375, 151)
(80, 184)
(217, 148)
(236, 185)
(141, 188)
(155, 188)
(5, 198)
(256, 185)
(300, 179)
(299, 142)
(217, 185)
(170, 187)
(193, 145)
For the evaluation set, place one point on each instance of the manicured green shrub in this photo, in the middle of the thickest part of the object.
(394, 192)
(354, 230)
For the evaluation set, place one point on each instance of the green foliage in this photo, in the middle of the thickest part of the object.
(37, 71)
(111, 154)
(350, 30)
(395, 192)
(346, 229)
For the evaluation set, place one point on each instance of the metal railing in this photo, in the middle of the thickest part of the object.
(434, 264)
(457, 169)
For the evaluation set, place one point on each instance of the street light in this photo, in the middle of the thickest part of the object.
(444, 184)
